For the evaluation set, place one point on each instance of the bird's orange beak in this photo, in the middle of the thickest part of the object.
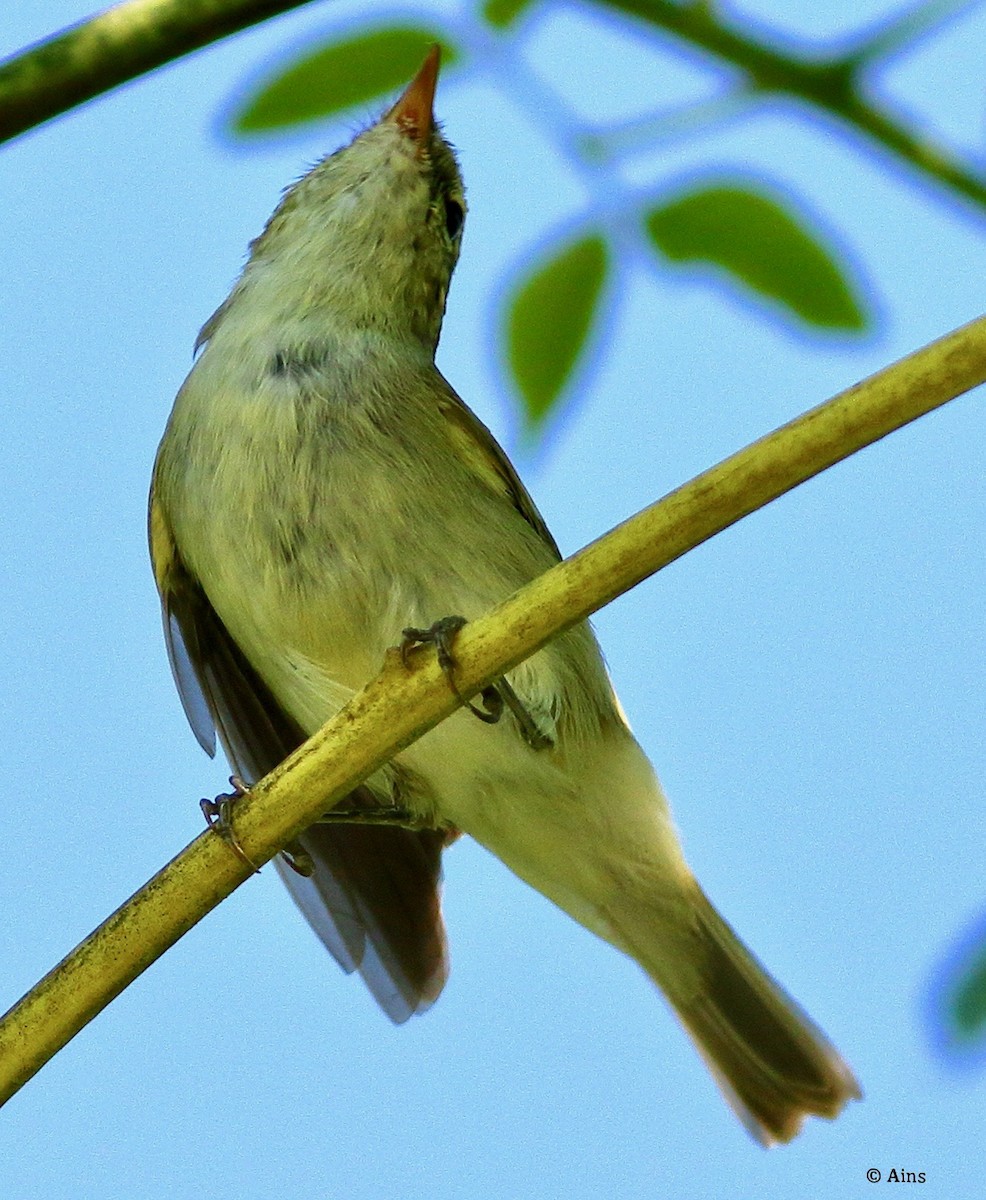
(413, 111)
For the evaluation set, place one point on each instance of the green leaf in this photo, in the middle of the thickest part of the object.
(968, 1003)
(549, 318)
(340, 75)
(765, 245)
(501, 13)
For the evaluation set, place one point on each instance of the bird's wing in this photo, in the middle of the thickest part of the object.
(480, 449)
(374, 896)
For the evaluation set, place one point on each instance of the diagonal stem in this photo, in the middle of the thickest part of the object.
(830, 84)
(112, 47)
(400, 705)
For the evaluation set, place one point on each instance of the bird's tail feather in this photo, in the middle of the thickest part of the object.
(772, 1063)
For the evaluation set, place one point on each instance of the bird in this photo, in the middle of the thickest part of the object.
(321, 493)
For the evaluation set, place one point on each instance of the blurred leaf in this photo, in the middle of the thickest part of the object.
(341, 75)
(501, 13)
(968, 1003)
(957, 1010)
(549, 318)
(768, 247)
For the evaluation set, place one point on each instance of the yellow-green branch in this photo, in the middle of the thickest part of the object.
(400, 705)
(112, 47)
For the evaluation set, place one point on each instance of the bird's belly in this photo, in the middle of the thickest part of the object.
(317, 623)
(317, 559)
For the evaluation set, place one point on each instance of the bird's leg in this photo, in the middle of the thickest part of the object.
(298, 859)
(529, 730)
(386, 814)
(365, 806)
(495, 696)
(218, 815)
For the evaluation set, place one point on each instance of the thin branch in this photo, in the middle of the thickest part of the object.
(931, 158)
(832, 84)
(899, 32)
(603, 142)
(400, 705)
(120, 44)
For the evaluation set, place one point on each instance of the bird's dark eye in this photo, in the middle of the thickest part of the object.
(454, 216)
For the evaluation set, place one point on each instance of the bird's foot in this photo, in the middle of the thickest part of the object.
(441, 635)
(218, 815)
(496, 696)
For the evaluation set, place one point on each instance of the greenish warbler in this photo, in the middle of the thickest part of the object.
(319, 488)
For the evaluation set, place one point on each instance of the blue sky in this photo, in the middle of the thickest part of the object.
(809, 684)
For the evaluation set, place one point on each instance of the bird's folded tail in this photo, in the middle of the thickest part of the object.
(772, 1063)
